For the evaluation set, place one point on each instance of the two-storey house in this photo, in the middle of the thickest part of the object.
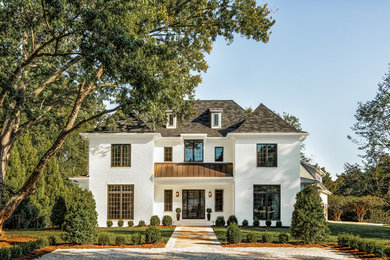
(223, 158)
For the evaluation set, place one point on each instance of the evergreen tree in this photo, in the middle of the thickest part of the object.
(58, 212)
(308, 219)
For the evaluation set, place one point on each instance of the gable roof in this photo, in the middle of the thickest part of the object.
(234, 120)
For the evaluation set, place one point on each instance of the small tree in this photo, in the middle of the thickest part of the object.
(337, 204)
(58, 212)
(81, 219)
(308, 219)
(362, 205)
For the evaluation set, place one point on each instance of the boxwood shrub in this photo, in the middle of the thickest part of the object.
(120, 240)
(152, 235)
(220, 221)
(104, 239)
(283, 238)
(120, 223)
(245, 223)
(232, 219)
(130, 223)
(5, 253)
(141, 223)
(268, 222)
(167, 220)
(256, 222)
(109, 223)
(367, 245)
(136, 238)
(251, 237)
(267, 237)
(233, 234)
(154, 220)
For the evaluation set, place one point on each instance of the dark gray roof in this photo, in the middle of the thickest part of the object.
(234, 119)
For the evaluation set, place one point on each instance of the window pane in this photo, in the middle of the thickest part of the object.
(216, 120)
(198, 150)
(120, 155)
(188, 150)
(193, 150)
(219, 154)
(120, 201)
(259, 206)
(167, 154)
(167, 200)
(114, 206)
(273, 206)
(218, 200)
(266, 202)
(267, 155)
(126, 155)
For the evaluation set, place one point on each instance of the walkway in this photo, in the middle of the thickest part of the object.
(197, 243)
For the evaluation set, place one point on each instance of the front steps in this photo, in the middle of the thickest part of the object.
(193, 222)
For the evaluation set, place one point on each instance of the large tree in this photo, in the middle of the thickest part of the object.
(58, 58)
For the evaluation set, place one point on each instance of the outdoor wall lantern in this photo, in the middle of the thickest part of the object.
(210, 194)
(177, 194)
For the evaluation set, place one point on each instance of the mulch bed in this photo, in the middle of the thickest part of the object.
(10, 241)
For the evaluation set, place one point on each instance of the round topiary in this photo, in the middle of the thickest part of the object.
(233, 234)
(232, 219)
(152, 235)
(245, 223)
(267, 237)
(308, 220)
(104, 239)
(154, 220)
(81, 219)
(279, 224)
(220, 221)
(283, 238)
(141, 223)
(256, 222)
(251, 237)
(130, 223)
(268, 222)
(167, 220)
(120, 240)
(109, 223)
(136, 238)
(120, 223)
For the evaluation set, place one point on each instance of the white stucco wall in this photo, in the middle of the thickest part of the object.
(247, 174)
(140, 173)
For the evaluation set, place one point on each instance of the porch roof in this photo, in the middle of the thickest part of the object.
(193, 170)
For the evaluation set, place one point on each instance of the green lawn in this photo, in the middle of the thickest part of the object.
(166, 233)
(380, 233)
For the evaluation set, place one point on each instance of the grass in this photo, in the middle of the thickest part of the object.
(166, 233)
(379, 233)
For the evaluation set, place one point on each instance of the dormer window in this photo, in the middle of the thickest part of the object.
(171, 120)
(216, 117)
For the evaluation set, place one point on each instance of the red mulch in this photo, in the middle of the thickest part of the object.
(9, 241)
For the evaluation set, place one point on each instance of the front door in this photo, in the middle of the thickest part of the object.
(193, 204)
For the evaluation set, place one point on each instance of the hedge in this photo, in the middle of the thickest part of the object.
(366, 245)
(7, 253)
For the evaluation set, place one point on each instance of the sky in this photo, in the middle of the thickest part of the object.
(323, 57)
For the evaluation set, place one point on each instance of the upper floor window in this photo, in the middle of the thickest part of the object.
(219, 154)
(193, 150)
(167, 154)
(216, 117)
(120, 155)
(267, 155)
(171, 123)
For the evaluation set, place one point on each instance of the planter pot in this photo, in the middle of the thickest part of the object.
(178, 217)
(208, 216)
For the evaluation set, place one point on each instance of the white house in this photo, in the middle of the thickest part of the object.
(223, 158)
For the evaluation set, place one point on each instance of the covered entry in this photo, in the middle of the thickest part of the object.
(193, 204)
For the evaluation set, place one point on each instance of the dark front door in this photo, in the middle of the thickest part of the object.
(193, 204)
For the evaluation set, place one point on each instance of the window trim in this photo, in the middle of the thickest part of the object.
(266, 166)
(111, 159)
(266, 200)
(193, 153)
(215, 153)
(171, 191)
(165, 148)
(212, 119)
(215, 200)
(120, 203)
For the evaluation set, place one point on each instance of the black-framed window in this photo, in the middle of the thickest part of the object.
(168, 200)
(219, 154)
(167, 154)
(120, 202)
(267, 155)
(218, 200)
(193, 150)
(266, 202)
(120, 155)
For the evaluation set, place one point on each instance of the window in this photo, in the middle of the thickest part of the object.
(218, 200)
(266, 202)
(170, 120)
(193, 150)
(219, 154)
(120, 155)
(168, 200)
(167, 154)
(216, 119)
(120, 201)
(267, 155)
(171, 123)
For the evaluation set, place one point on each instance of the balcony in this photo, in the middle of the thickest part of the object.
(193, 170)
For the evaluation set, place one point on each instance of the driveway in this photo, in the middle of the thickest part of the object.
(197, 243)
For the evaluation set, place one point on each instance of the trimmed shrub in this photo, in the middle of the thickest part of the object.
(130, 223)
(233, 234)
(232, 219)
(344, 239)
(120, 223)
(52, 240)
(58, 212)
(251, 237)
(40, 243)
(152, 235)
(220, 221)
(104, 239)
(167, 220)
(387, 251)
(109, 223)
(120, 240)
(25, 247)
(279, 224)
(283, 238)
(16, 251)
(154, 220)
(308, 220)
(136, 238)
(267, 237)
(245, 223)
(268, 222)
(141, 223)
(5, 253)
(366, 245)
(256, 222)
